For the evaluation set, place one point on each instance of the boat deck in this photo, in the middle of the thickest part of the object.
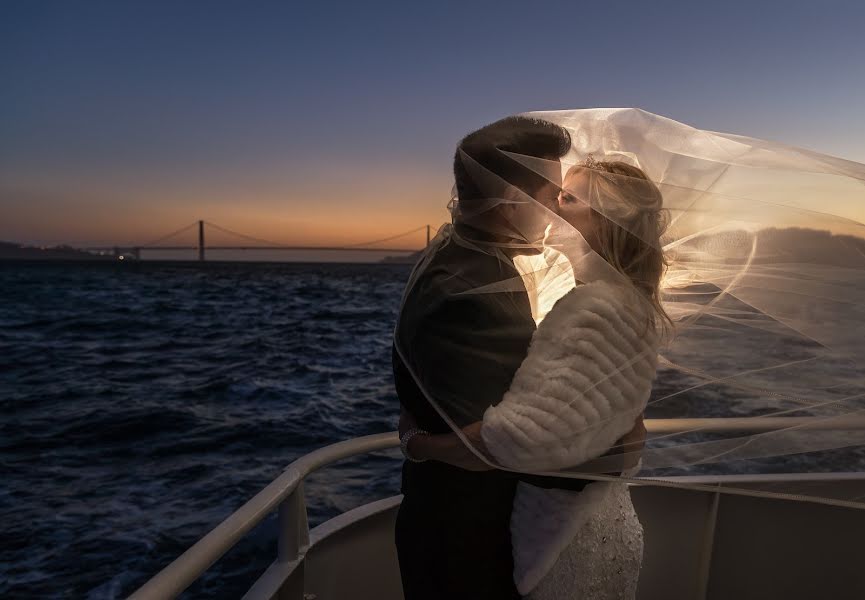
(699, 543)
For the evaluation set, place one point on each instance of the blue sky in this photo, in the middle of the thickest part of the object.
(336, 122)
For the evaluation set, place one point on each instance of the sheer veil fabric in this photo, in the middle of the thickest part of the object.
(764, 365)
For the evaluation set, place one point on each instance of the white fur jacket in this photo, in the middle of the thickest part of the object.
(586, 378)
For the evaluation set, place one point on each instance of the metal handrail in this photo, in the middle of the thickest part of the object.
(754, 424)
(180, 574)
(286, 494)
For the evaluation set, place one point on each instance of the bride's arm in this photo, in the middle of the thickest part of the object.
(585, 381)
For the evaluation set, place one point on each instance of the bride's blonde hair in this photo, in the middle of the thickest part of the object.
(629, 228)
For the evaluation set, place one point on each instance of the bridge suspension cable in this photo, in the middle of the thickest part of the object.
(387, 239)
(348, 246)
(264, 244)
(167, 236)
(243, 235)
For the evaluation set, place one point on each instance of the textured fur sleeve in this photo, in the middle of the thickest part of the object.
(587, 376)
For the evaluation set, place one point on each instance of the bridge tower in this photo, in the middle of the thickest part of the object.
(201, 240)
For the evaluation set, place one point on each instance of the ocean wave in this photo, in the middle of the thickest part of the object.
(141, 408)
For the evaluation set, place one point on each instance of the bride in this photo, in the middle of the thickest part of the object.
(585, 380)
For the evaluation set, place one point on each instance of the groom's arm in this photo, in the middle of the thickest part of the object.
(450, 449)
(627, 449)
(624, 454)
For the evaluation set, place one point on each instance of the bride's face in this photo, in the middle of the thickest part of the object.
(574, 207)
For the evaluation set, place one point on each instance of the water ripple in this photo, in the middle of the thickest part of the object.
(142, 404)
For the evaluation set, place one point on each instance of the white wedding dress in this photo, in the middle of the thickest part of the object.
(603, 559)
(569, 402)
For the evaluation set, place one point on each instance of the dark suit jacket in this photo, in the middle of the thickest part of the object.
(465, 349)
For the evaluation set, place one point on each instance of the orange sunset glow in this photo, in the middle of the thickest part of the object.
(108, 138)
(313, 210)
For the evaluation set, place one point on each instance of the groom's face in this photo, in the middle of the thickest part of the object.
(548, 193)
(530, 219)
(547, 196)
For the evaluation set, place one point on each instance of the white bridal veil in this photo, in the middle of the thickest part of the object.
(763, 370)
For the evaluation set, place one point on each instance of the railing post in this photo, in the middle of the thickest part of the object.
(711, 524)
(293, 541)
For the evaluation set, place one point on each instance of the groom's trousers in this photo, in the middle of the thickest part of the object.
(453, 534)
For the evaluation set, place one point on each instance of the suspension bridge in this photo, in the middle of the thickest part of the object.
(248, 242)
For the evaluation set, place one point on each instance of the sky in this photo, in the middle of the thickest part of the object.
(335, 123)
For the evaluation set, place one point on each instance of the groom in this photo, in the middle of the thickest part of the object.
(453, 526)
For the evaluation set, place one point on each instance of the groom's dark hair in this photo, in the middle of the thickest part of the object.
(520, 135)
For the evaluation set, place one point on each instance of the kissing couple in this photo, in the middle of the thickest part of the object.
(526, 347)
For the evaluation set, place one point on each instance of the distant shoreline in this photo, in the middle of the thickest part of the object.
(17, 253)
(14, 252)
(127, 264)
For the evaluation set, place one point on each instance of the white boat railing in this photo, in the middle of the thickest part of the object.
(285, 494)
